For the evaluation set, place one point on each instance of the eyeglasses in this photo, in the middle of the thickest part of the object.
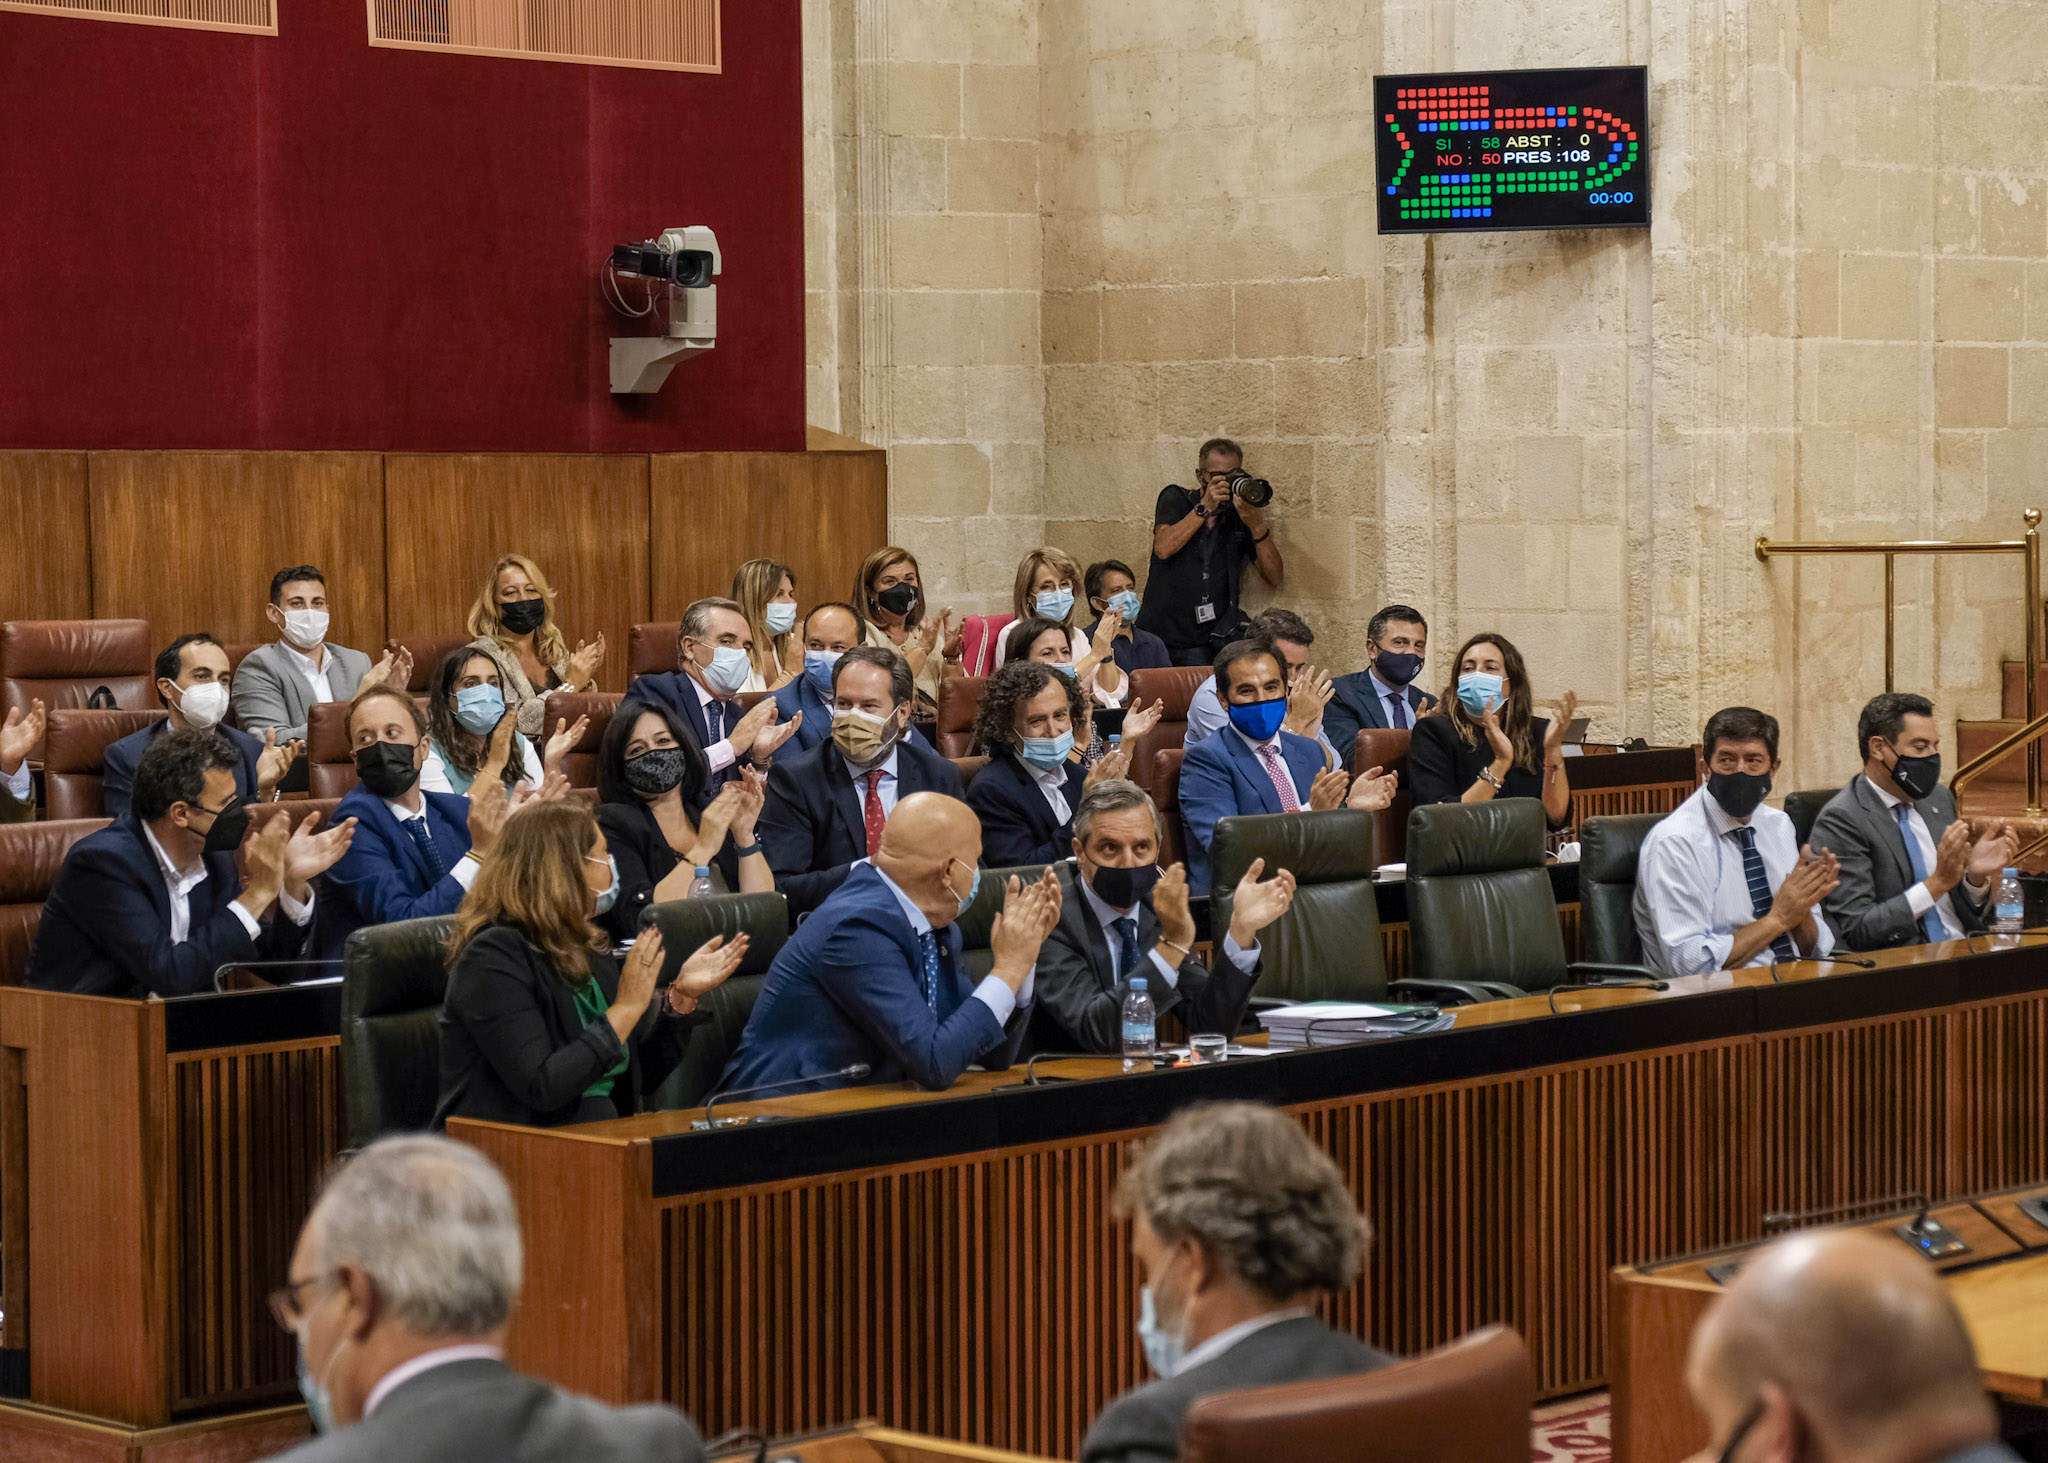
(284, 1301)
(1742, 1430)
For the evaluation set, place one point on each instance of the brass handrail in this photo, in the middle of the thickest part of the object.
(2029, 547)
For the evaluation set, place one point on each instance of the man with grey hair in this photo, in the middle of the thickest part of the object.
(1238, 1221)
(1840, 1345)
(1122, 917)
(399, 1292)
(714, 646)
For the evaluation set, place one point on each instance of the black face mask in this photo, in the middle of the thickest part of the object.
(386, 769)
(523, 616)
(655, 771)
(1397, 668)
(1917, 776)
(1739, 793)
(230, 825)
(898, 599)
(1122, 888)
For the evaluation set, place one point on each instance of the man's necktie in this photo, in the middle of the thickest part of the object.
(928, 968)
(873, 811)
(423, 836)
(1760, 890)
(1126, 932)
(1282, 782)
(1930, 922)
(1397, 711)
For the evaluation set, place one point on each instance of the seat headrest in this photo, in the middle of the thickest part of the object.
(651, 647)
(1475, 838)
(979, 918)
(1381, 746)
(389, 969)
(598, 706)
(1174, 685)
(960, 702)
(77, 739)
(1317, 848)
(1610, 847)
(75, 649)
(687, 923)
(32, 853)
(327, 734)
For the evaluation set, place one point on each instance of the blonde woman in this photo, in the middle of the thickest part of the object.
(766, 594)
(889, 593)
(1048, 590)
(513, 621)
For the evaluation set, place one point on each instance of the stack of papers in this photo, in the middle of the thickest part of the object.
(1335, 1023)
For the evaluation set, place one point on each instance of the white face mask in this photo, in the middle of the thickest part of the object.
(305, 628)
(204, 705)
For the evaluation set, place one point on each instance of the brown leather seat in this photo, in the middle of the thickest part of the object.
(62, 662)
(959, 704)
(1165, 790)
(428, 651)
(651, 648)
(1386, 749)
(970, 768)
(1467, 1401)
(581, 763)
(330, 762)
(298, 810)
(75, 751)
(1175, 686)
(30, 856)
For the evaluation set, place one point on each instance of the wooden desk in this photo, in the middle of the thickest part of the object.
(2000, 1286)
(946, 1262)
(156, 1161)
(867, 1442)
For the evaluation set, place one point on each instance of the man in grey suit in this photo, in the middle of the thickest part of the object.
(399, 1293)
(277, 685)
(1910, 873)
(1238, 1222)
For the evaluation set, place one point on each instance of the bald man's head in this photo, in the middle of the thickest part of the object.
(1845, 1338)
(930, 847)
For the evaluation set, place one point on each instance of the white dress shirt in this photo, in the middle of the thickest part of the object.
(886, 789)
(993, 992)
(1206, 717)
(719, 754)
(1052, 782)
(405, 1371)
(1229, 1336)
(464, 868)
(1105, 912)
(316, 675)
(1918, 899)
(19, 782)
(182, 882)
(1691, 892)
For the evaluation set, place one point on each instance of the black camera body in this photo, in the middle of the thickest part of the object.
(1255, 491)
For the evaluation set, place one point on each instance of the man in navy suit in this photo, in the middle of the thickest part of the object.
(826, 807)
(192, 682)
(713, 647)
(1254, 765)
(830, 631)
(153, 905)
(416, 853)
(876, 974)
(1026, 796)
(1384, 694)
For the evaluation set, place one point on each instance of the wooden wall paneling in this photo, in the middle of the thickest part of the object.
(584, 520)
(1997, 1103)
(45, 568)
(821, 513)
(189, 540)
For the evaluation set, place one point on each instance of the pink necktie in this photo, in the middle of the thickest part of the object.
(1282, 783)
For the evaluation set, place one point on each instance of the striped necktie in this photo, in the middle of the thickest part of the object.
(1759, 883)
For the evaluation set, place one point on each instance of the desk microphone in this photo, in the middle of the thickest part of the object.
(853, 1072)
(1856, 960)
(1031, 1077)
(1639, 984)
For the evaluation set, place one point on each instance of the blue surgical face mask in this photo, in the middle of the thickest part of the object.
(611, 895)
(1062, 667)
(1476, 689)
(1260, 719)
(728, 671)
(818, 666)
(1126, 604)
(972, 889)
(319, 1401)
(1054, 604)
(1163, 1348)
(480, 708)
(780, 618)
(1047, 752)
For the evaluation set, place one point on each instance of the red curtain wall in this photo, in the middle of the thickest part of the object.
(301, 242)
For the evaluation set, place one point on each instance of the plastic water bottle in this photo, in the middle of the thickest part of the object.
(2010, 908)
(1140, 1033)
(700, 887)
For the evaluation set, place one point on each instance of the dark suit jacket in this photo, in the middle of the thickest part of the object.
(1355, 704)
(1080, 1008)
(106, 928)
(1221, 776)
(813, 826)
(801, 695)
(644, 858)
(14, 810)
(484, 1412)
(117, 770)
(678, 693)
(1143, 1425)
(384, 877)
(847, 988)
(1141, 650)
(1868, 909)
(1017, 825)
(514, 1050)
(1440, 767)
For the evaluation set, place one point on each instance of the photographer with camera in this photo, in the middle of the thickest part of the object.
(1202, 537)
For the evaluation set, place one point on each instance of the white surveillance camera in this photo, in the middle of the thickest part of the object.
(685, 263)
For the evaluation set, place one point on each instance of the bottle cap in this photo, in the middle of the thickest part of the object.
(1137, 982)
(2012, 873)
(703, 871)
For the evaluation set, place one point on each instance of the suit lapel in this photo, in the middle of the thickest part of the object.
(395, 834)
(144, 857)
(1886, 821)
(847, 797)
(1094, 938)
(1254, 770)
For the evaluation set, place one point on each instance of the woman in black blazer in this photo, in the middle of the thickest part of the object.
(539, 1026)
(1482, 742)
(651, 784)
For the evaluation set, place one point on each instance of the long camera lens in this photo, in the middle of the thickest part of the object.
(1255, 491)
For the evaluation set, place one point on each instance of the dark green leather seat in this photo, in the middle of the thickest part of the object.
(980, 917)
(1480, 902)
(1803, 808)
(685, 925)
(393, 980)
(1608, 850)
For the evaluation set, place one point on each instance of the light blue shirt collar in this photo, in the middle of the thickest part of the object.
(919, 925)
